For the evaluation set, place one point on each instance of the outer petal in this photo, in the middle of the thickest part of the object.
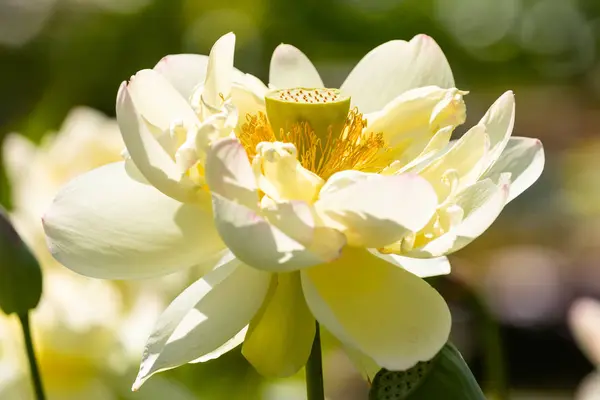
(395, 67)
(291, 68)
(153, 161)
(385, 312)
(251, 237)
(481, 203)
(105, 224)
(157, 101)
(205, 316)
(186, 72)
(224, 348)
(375, 212)
(498, 122)
(280, 337)
(421, 267)
(524, 159)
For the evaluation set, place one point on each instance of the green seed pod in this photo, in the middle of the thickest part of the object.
(20, 273)
(446, 377)
(398, 384)
(325, 110)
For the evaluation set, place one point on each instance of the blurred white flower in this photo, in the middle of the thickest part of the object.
(584, 321)
(86, 140)
(88, 332)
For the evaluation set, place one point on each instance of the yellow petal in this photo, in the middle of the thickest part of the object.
(383, 311)
(281, 176)
(280, 337)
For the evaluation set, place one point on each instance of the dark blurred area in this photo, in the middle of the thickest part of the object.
(511, 290)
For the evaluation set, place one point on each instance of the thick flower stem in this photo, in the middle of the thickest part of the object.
(36, 377)
(314, 370)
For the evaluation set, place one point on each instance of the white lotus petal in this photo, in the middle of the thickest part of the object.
(421, 267)
(224, 348)
(153, 161)
(461, 165)
(524, 159)
(376, 212)
(204, 317)
(291, 68)
(186, 72)
(498, 122)
(106, 224)
(219, 71)
(409, 121)
(395, 67)
(482, 204)
(158, 102)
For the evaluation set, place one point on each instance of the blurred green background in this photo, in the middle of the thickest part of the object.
(512, 289)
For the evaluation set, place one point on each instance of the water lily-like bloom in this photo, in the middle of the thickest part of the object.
(301, 202)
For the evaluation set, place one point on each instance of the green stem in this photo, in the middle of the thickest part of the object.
(33, 366)
(314, 370)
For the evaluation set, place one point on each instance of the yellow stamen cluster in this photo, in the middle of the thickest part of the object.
(350, 149)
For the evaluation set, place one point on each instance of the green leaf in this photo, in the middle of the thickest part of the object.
(446, 376)
(20, 273)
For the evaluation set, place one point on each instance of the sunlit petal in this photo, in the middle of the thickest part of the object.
(108, 224)
(523, 158)
(376, 212)
(395, 67)
(291, 68)
(385, 312)
(204, 317)
(481, 203)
